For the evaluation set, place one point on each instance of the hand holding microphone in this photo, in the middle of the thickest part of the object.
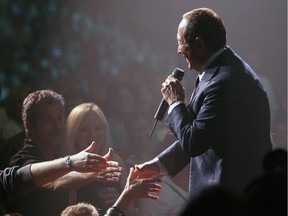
(178, 74)
(171, 91)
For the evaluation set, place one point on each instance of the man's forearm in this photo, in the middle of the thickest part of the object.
(45, 172)
(71, 180)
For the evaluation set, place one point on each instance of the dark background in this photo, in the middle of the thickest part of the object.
(104, 46)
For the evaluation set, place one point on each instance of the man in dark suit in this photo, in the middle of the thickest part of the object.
(224, 132)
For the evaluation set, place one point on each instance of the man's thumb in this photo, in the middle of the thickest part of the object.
(109, 154)
(91, 147)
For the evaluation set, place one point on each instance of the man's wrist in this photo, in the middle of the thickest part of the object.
(114, 211)
(68, 163)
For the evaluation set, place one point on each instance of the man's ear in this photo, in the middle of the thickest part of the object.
(200, 43)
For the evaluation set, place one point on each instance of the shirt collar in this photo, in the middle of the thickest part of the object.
(212, 58)
(201, 75)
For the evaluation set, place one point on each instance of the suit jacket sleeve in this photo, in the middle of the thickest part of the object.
(174, 159)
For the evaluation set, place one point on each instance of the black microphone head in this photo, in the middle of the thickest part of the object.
(178, 73)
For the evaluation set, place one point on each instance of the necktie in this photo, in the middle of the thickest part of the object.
(195, 89)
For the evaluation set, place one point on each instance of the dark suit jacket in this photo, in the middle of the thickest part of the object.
(224, 132)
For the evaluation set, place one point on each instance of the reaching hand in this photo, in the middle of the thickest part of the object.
(147, 170)
(111, 174)
(85, 161)
(141, 188)
(137, 188)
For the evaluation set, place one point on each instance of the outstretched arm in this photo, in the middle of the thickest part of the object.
(84, 168)
(16, 181)
(135, 188)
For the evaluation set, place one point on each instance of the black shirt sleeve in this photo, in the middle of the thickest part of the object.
(14, 182)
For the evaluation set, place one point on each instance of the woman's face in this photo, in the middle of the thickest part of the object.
(91, 129)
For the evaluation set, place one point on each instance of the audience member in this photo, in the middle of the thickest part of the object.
(87, 123)
(135, 188)
(80, 209)
(43, 119)
(72, 96)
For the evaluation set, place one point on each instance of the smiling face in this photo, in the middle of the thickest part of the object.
(187, 50)
(195, 51)
(91, 129)
(48, 130)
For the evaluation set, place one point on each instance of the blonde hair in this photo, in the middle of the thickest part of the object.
(80, 209)
(76, 118)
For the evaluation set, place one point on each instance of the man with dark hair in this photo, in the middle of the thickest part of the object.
(43, 119)
(224, 132)
(44, 124)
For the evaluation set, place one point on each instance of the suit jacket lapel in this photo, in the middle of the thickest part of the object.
(204, 82)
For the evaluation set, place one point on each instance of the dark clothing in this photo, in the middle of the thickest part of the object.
(224, 132)
(40, 201)
(30, 153)
(12, 146)
(114, 211)
(14, 182)
(53, 202)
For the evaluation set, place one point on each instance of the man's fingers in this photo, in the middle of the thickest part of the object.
(113, 164)
(152, 196)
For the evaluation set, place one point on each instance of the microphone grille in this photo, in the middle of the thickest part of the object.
(178, 73)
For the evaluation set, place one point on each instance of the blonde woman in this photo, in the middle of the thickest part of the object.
(86, 123)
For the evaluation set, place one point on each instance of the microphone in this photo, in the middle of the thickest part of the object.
(162, 108)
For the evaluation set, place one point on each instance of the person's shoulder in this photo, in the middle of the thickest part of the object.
(27, 155)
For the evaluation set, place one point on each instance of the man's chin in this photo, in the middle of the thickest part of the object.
(190, 67)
